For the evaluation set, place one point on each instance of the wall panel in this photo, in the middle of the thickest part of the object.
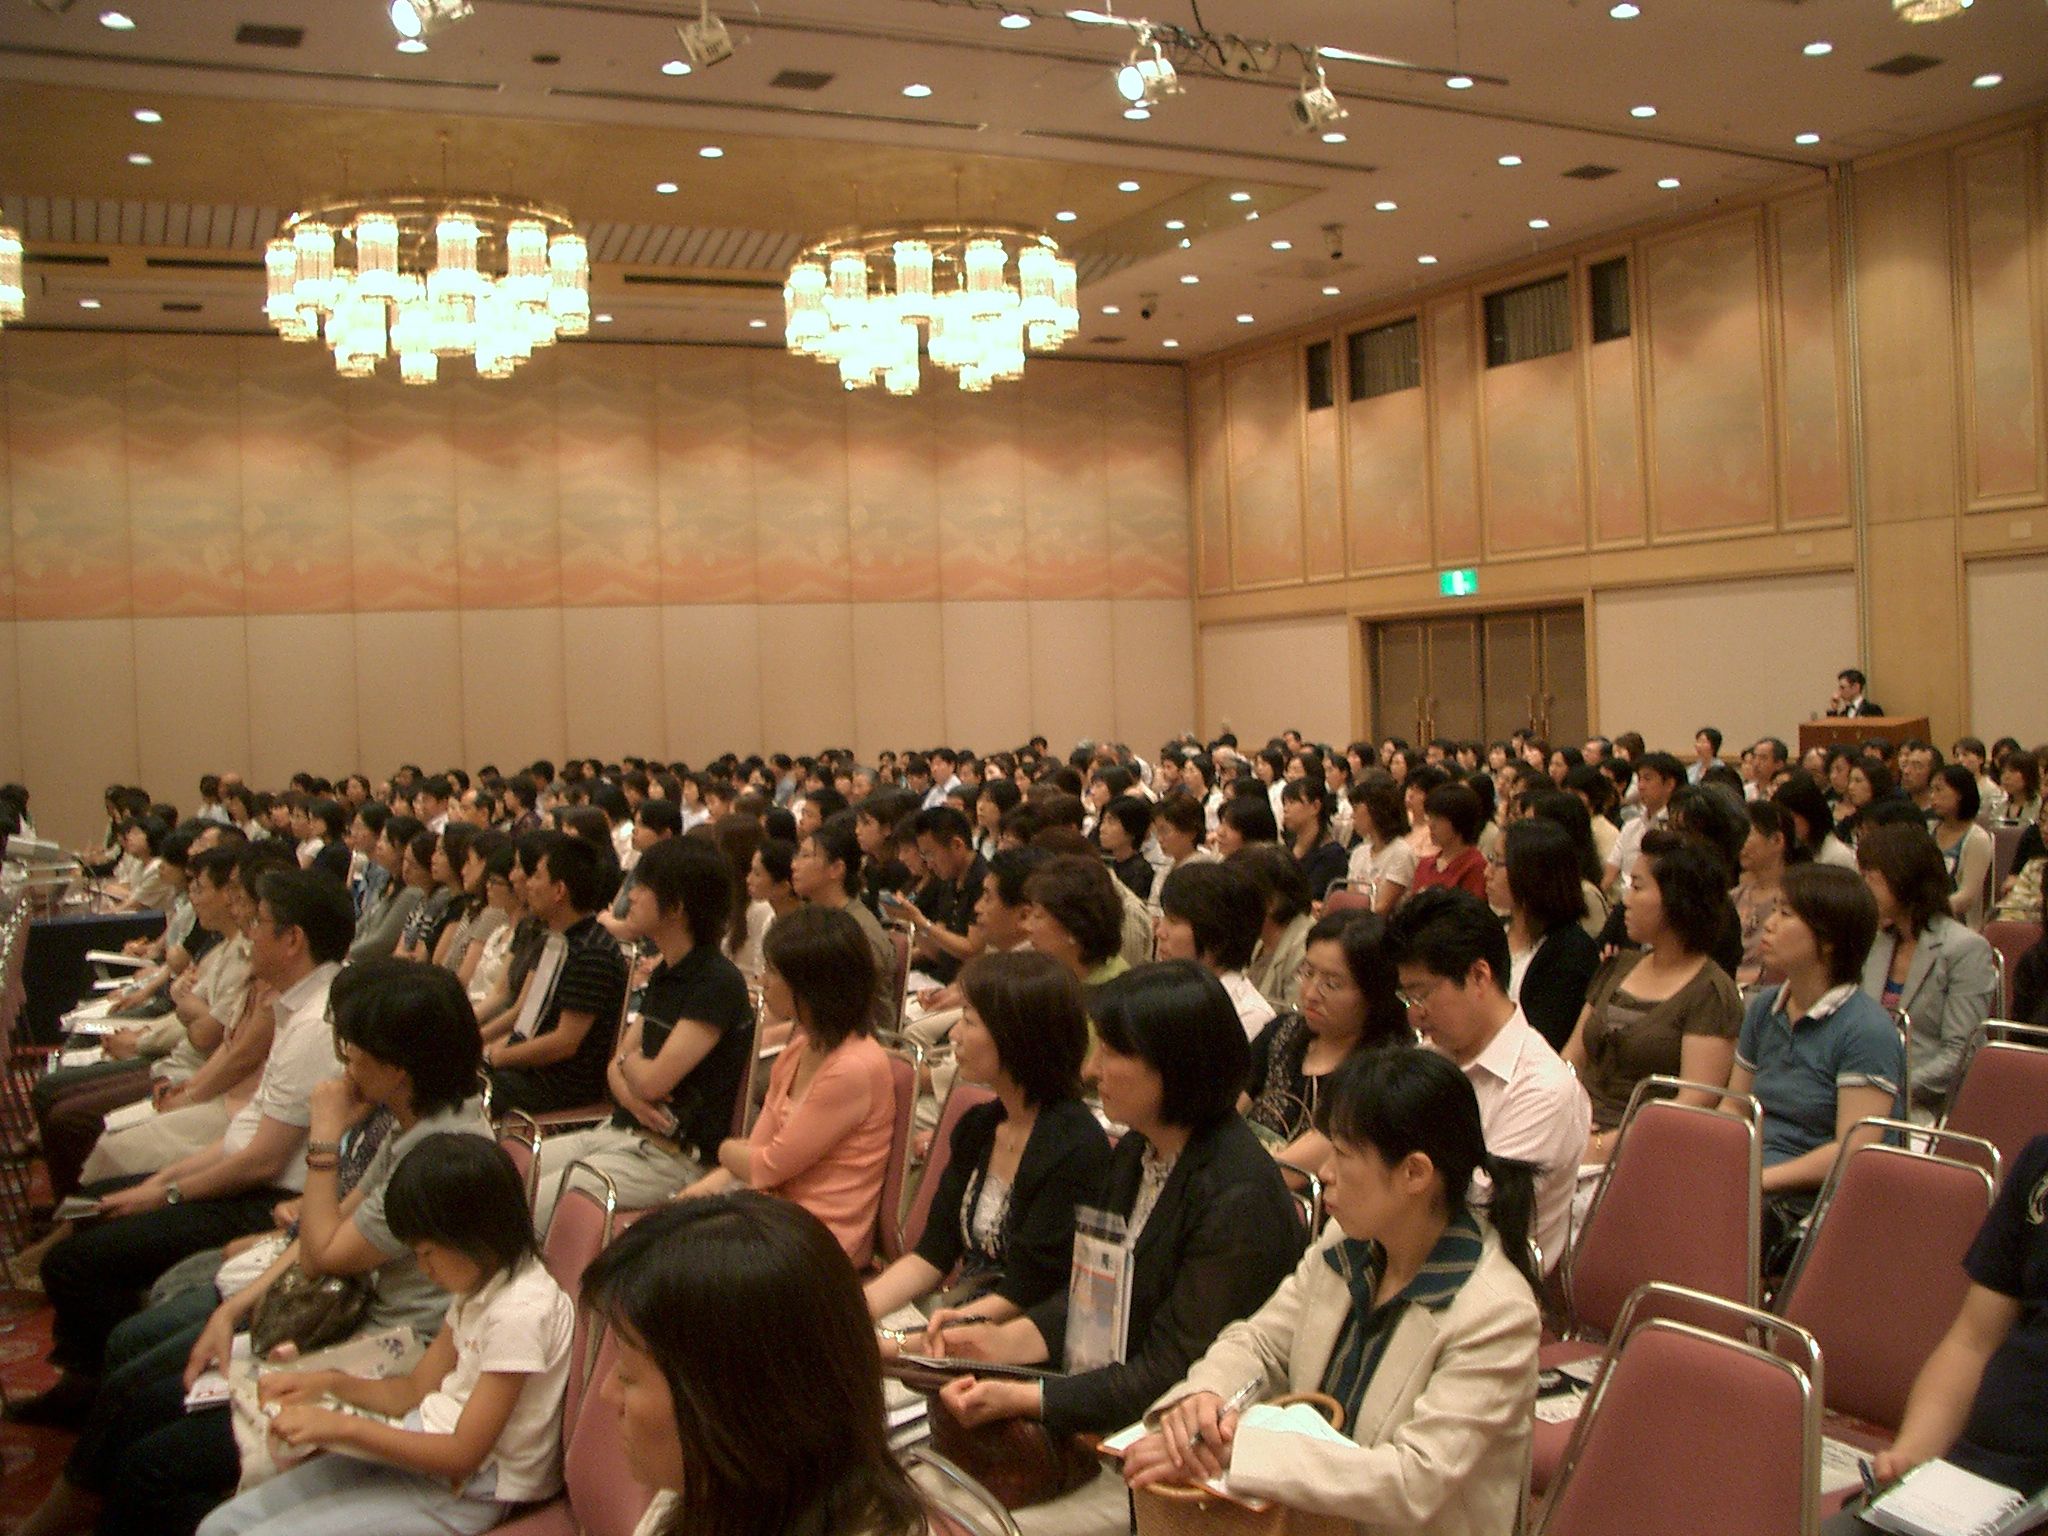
(192, 705)
(2008, 638)
(1155, 689)
(987, 678)
(508, 531)
(1387, 480)
(10, 705)
(302, 691)
(613, 700)
(1615, 436)
(1322, 491)
(1758, 656)
(184, 478)
(1073, 670)
(799, 427)
(69, 753)
(981, 513)
(1709, 428)
(1261, 678)
(2002, 395)
(402, 478)
(1812, 452)
(893, 496)
(408, 689)
(704, 474)
(604, 405)
(65, 394)
(806, 672)
(1145, 462)
(1451, 369)
(1066, 507)
(512, 687)
(899, 676)
(1209, 447)
(710, 673)
(1263, 397)
(1533, 495)
(296, 535)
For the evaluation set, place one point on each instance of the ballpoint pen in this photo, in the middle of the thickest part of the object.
(1237, 1402)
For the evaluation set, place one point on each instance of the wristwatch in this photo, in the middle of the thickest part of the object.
(172, 1194)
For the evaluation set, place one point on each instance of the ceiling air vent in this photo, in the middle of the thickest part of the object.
(802, 80)
(1107, 341)
(171, 308)
(1589, 172)
(260, 35)
(1904, 64)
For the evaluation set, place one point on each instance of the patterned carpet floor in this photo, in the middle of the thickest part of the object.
(30, 1458)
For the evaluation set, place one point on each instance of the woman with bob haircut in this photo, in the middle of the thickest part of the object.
(1213, 912)
(1003, 1217)
(1813, 821)
(1306, 809)
(1552, 956)
(1966, 848)
(1416, 1313)
(744, 1429)
(1246, 820)
(1077, 917)
(1455, 817)
(822, 1138)
(1924, 963)
(1665, 1008)
(1382, 860)
(1209, 1225)
(1275, 967)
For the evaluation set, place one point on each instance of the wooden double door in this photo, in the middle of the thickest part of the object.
(1477, 677)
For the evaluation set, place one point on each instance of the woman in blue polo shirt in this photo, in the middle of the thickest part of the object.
(1818, 1053)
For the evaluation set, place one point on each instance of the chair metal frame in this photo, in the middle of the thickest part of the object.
(1744, 1107)
(889, 1223)
(1000, 1521)
(1992, 1034)
(1903, 1022)
(900, 980)
(1760, 1329)
(1309, 1199)
(518, 1125)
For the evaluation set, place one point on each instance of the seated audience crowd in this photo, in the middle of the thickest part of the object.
(1133, 1025)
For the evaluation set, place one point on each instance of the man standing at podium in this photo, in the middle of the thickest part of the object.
(1850, 699)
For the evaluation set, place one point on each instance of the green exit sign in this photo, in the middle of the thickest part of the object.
(1457, 583)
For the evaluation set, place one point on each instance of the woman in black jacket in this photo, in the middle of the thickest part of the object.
(1210, 1230)
(1001, 1228)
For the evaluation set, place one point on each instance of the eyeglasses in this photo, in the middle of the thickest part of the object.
(1421, 999)
(1307, 976)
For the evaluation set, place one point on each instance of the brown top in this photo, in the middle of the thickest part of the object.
(1628, 1039)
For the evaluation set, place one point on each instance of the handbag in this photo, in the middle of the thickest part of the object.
(1020, 1461)
(309, 1311)
(1182, 1509)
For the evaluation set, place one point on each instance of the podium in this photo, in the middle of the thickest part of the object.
(1837, 731)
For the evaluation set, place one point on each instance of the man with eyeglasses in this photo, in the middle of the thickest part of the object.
(303, 924)
(1452, 957)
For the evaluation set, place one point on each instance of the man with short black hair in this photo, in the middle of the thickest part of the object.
(1657, 775)
(944, 915)
(1849, 698)
(554, 1053)
(430, 803)
(1706, 751)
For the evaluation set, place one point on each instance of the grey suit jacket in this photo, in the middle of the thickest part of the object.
(1951, 988)
(1442, 1438)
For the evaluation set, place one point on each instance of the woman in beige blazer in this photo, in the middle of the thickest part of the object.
(1414, 1313)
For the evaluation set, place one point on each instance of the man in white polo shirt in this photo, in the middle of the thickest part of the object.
(1452, 955)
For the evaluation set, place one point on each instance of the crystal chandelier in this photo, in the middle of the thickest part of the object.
(11, 291)
(984, 296)
(1929, 10)
(415, 275)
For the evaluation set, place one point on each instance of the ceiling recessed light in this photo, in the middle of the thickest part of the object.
(1176, 223)
(1112, 309)
(1014, 22)
(1240, 197)
(917, 90)
(1385, 205)
(1985, 82)
(1645, 111)
(88, 303)
(1189, 277)
(1539, 223)
(1127, 186)
(1283, 245)
(1510, 160)
(1329, 292)
(1252, 216)
(1425, 261)
(1335, 137)
(1066, 216)
(1818, 49)
(1138, 114)
(757, 325)
(1244, 319)
(601, 319)
(116, 21)
(1805, 138)
(1169, 342)
(676, 67)
(665, 188)
(1458, 82)
(711, 152)
(410, 45)
(1668, 183)
(1185, 242)
(1624, 11)
(138, 158)
(148, 115)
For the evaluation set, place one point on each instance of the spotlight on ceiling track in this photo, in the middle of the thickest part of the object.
(1317, 107)
(1145, 76)
(422, 18)
(705, 41)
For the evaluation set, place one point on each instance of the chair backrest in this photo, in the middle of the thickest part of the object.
(1308, 1199)
(1679, 1202)
(1688, 1430)
(2011, 940)
(2005, 847)
(1880, 1276)
(900, 936)
(1902, 1021)
(519, 1135)
(2002, 1092)
(586, 1209)
(955, 1504)
(904, 1060)
(1344, 896)
(963, 1097)
(603, 1496)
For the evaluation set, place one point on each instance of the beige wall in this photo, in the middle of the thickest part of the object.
(2008, 605)
(1756, 657)
(1265, 677)
(1719, 443)
(214, 554)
